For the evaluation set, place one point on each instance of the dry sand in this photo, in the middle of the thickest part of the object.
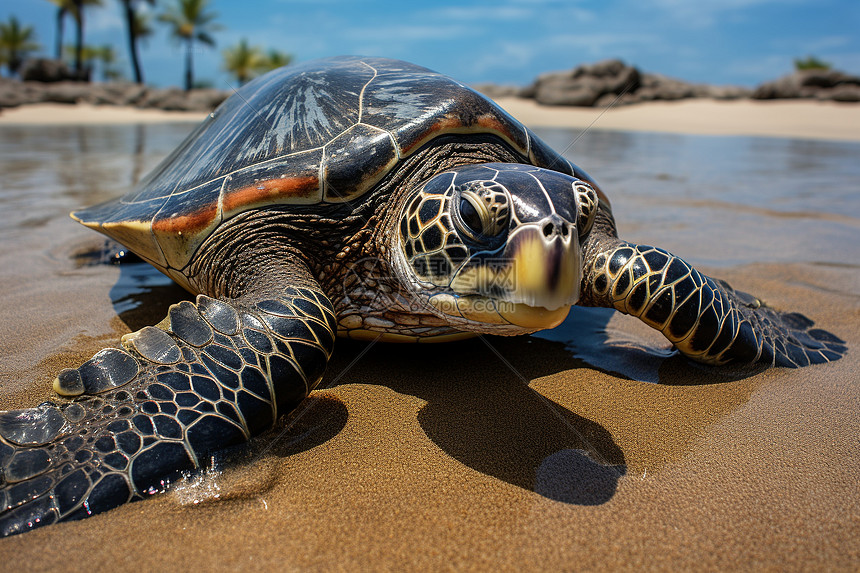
(798, 119)
(63, 114)
(449, 458)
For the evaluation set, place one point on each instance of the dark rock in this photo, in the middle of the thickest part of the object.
(175, 99)
(14, 93)
(614, 83)
(204, 99)
(818, 84)
(585, 84)
(171, 99)
(848, 93)
(564, 89)
(120, 93)
(48, 70)
(67, 92)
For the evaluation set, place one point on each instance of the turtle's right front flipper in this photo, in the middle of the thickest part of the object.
(212, 374)
(706, 319)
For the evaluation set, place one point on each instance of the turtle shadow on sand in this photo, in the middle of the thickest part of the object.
(480, 409)
(484, 411)
(486, 417)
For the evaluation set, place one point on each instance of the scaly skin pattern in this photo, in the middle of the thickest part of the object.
(706, 319)
(380, 190)
(213, 375)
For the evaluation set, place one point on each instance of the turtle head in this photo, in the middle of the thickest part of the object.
(495, 247)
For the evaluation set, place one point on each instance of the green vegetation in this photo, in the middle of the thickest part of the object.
(77, 12)
(245, 62)
(63, 9)
(277, 59)
(810, 63)
(102, 58)
(137, 26)
(190, 21)
(16, 42)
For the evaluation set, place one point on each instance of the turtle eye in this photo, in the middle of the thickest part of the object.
(471, 218)
(482, 212)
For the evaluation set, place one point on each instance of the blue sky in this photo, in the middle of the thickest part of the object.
(740, 42)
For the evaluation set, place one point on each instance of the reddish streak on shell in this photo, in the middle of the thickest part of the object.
(193, 222)
(269, 190)
(491, 123)
(443, 124)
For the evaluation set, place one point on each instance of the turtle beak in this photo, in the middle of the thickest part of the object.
(545, 273)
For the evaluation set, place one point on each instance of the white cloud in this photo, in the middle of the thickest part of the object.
(509, 56)
(410, 32)
(761, 68)
(102, 19)
(482, 14)
(596, 43)
(708, 13)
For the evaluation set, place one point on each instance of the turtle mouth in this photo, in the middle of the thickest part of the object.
(529, 284)
(535, 281)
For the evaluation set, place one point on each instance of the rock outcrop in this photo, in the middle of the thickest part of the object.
(14, 93)
(48, 70)
(610, 82)
(812, 84)
(586, 84)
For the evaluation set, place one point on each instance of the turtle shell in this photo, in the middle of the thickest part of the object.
(323, 132)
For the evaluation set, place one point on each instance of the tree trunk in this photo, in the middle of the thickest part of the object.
(61, 18)
(14, 63)
(132, 42)
(189, 74)
(79, 45)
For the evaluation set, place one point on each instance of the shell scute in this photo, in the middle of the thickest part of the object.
(185, 220)
(324, 131)
(355, 161)
(294, 179)
(416, 106)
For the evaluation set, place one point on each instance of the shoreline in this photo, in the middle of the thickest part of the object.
(802, 119)
(89, 114)
(784, 118)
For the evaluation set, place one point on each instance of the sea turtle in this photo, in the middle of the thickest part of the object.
(359, 197)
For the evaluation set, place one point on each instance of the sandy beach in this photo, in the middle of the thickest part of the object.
(787, 118)
(592, 449)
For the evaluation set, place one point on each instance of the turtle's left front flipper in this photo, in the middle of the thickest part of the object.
(706, 319)
(211, 375)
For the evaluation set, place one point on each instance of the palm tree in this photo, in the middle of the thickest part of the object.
(246, 62)
(142, 25)
(243, 61)
(77, 10)
(277, 59)
(15, 42)
(64, 7)
(135, 23)
(102, 57)
(191, 20)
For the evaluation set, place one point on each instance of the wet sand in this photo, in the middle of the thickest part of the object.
(559, 456)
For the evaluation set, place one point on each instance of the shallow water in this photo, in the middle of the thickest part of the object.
(595, 437)
(718, 201)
